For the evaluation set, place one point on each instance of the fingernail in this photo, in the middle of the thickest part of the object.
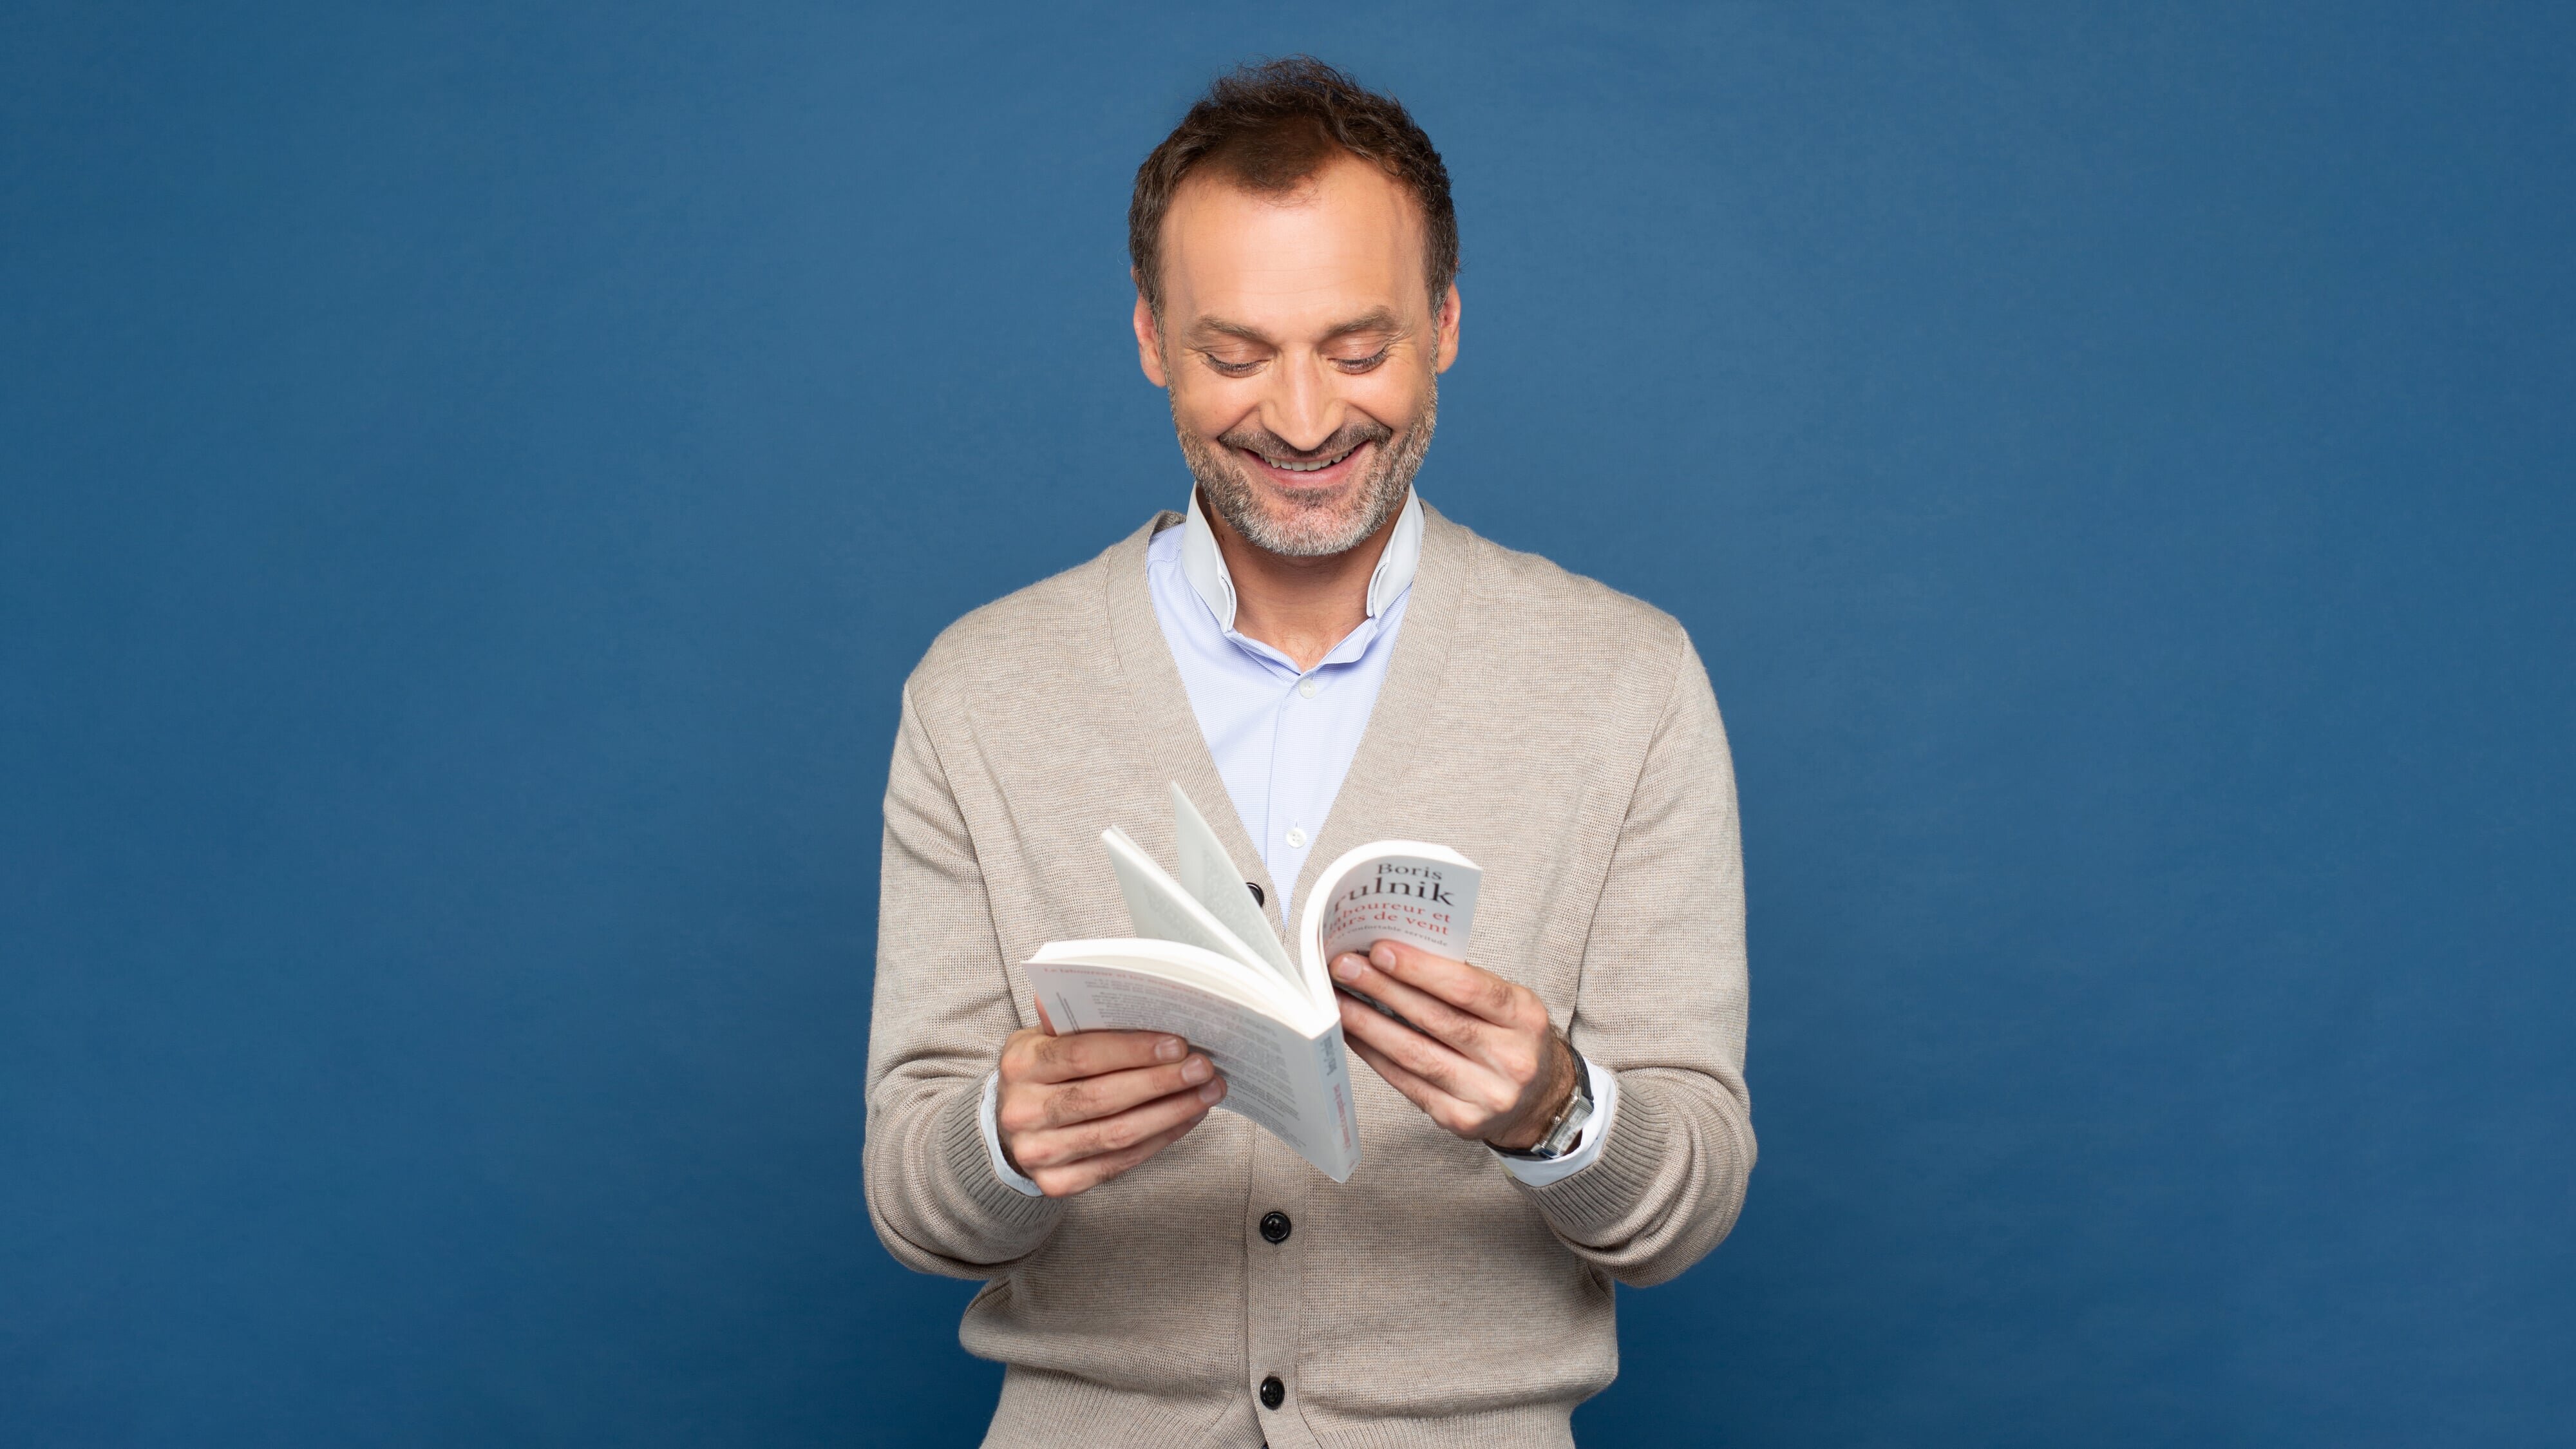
(1196, 1070)
(1168, 1049)
(1382, 953)
(1346, 968)
(1211, 1092)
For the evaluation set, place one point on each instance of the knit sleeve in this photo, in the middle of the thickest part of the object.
(942, 1011)
(1662, 1004)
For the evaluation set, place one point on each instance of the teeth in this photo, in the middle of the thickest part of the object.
(1285, 466)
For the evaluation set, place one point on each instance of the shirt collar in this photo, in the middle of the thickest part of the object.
(1203, 563)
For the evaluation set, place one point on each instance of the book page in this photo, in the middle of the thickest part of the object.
(1158, 906)
(1394, 890)
(1210, 876)
(1296, 1087)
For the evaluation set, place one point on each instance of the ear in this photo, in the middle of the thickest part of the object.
(1149, 344)
(1446, 350)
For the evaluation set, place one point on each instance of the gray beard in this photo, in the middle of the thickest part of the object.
(1315, 532)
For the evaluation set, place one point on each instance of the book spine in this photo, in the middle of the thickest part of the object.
(1339, 1126)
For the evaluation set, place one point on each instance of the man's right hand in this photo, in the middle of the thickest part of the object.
(1079, 1109)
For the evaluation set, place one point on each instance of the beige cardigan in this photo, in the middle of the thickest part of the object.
(1559, 734)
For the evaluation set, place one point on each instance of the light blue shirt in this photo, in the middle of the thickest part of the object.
(1283, 739)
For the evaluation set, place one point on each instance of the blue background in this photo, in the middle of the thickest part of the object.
(475, 477)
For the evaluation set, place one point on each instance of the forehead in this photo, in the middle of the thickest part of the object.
(1349, 237)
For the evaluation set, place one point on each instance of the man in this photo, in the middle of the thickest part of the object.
(1314, 645)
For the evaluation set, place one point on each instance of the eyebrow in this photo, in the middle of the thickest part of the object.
(1376, 319)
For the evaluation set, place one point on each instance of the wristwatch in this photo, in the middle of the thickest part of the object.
(1561, 1133)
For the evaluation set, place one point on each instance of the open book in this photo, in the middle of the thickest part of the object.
(1206, 965)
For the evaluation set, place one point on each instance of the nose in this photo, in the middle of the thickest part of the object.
(1303, 409)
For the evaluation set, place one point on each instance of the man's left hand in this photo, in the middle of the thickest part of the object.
(1484, 1063)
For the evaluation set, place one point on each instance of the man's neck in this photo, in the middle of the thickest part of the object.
(1301, 607)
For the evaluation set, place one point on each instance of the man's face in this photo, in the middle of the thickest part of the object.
(1299, 348)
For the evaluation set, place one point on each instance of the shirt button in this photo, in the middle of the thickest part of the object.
(1306, 688)
(1275, 1227)
(1296, 838)
(1273, 1392)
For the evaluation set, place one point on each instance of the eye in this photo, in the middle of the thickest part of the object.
(1223, 368)
(1361, 364)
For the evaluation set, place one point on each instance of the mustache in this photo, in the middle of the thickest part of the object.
(1270, 445)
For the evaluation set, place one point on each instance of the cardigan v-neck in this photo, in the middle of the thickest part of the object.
(1283, 733)
(1143, 645)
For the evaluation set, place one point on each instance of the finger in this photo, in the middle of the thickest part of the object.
(1469, 1035)
(1043, 1019)
(1111, 1136)
(1443, 1068)
(1468, 988)
(1091, 1172)
(1108, 1136)
(1034, 1106)
(1417, 1091)
(1090, 1053)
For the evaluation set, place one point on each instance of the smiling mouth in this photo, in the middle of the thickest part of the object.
(1316, 465)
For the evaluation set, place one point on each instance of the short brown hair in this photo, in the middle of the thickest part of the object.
(1267, 128)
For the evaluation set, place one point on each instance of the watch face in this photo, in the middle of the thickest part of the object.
(1578, 1111)
(1567, 1130)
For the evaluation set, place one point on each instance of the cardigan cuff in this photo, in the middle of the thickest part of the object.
(1591, 1204)
(969, 1167)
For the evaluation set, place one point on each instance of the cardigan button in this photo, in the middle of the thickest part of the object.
(1275, 1227)
(1273, 1392)
(1258, 898)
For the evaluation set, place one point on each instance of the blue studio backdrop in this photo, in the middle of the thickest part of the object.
(476, 475)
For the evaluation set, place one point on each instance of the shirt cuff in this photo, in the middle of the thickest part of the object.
(1002, 1163)
(1587, 1142)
